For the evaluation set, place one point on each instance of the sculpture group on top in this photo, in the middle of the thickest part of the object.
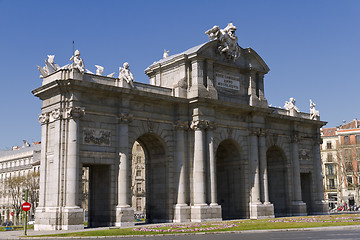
(227, 40)
(78, 64)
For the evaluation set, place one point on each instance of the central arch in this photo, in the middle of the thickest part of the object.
(277, 179)
(231, 192)
(156, 178)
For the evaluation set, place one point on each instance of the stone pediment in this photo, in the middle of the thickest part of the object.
(209, 51)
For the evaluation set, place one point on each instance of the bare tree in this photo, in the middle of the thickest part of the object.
(14, 186)
(32, 183)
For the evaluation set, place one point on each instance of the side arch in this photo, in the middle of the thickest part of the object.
(231, 180)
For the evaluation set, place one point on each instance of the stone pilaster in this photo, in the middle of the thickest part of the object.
(199, 180)
(124, 212)
(320, 207)
(182, 209)
(73, 214)
(298, 206)
(253, 98)
(268, 208)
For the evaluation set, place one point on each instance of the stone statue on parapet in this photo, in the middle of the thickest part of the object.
(126, 75)
(227, 39)
(166, 54)
(49, 68)
(99, 70)
(290, 105)
(78, 63)
(314, 114)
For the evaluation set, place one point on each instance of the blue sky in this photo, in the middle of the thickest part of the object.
(311, 47)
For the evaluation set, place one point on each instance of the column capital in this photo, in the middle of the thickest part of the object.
(199, 125)
(74, 112)
(44, 118)
(255, 131)
(56, 114)
(211, 125)
(125, 118)
(181, 125)
(295, 138)
(263, 132)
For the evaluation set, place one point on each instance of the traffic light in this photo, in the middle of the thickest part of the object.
(23, 194)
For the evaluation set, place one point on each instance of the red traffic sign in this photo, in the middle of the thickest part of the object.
(12, 213)
(26, 206)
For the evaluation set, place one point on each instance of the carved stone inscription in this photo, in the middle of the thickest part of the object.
(227, 81)
(94, 136)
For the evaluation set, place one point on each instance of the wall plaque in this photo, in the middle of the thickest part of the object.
(228, 81)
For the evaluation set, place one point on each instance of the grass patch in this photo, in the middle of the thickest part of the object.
(16, 228)
(237, 225)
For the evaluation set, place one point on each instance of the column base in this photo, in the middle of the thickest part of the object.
(261, 211)
(52, 218)
(299, 208)
(320, 208)
(182, 213)
(124, 217)
(206, 213)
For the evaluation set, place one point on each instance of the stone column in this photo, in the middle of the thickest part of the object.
(320, 205)
(182, 209)
(44, 120)
(254, 161)
(212, 164)
(73, 215)
(299, 207)
(199, 171)
(268, 208)
(124, 213)
(40, 209)
(215, 208)
(263, 168)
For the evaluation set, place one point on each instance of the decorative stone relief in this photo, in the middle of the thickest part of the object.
(199, 124)
(295, 138)
(304, 154)
(125, 118)
(43, 118)
(94, 136)
(181, 125)
(314, 114)
(227, 40)
(74, 112)
(55, 115)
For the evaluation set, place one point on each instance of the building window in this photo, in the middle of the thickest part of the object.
(357, 138)
(349, 180)
(346, 140)
(329, 157)
(330, 170)
(331, 183)
(348, 157)
(348, 166)
(138, 173)
(138, 187)
(138, 159)
(138, 204)
(328, 145)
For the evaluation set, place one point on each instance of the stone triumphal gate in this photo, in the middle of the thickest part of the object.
(214, 148)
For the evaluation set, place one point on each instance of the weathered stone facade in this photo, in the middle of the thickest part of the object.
(214, 149)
